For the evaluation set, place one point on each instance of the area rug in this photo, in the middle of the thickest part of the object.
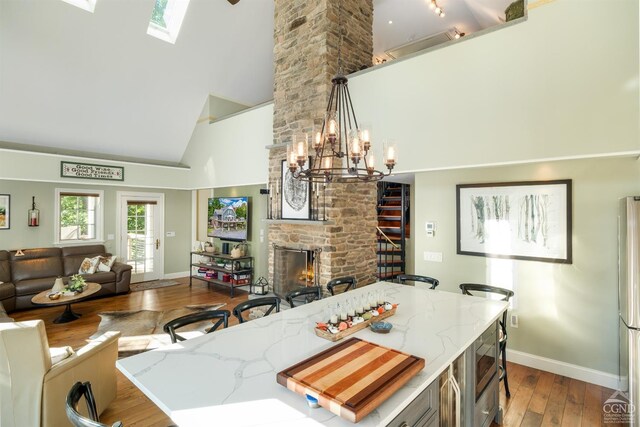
(154, 284)
(142, 329)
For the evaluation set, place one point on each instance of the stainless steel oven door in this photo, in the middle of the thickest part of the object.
(486, 353)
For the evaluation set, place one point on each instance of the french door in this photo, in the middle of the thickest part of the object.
(140, 233)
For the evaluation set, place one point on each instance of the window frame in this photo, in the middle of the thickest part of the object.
(99, 225)
(170, 32)
(88, 5)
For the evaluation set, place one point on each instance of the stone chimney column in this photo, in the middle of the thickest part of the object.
(307, 37)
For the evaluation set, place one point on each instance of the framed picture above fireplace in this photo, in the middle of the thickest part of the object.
(296, 195)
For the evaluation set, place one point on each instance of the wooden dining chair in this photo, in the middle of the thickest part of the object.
(308, 293)
(347, 283)
(505, 295)
(222, 317)
(402, 278)
(273, 303)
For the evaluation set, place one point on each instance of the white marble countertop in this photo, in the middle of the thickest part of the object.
(229, 377)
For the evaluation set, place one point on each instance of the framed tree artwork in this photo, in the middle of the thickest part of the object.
(517, 220)
(5, 211)
(295, 195)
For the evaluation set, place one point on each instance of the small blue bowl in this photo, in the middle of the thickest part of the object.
(381, 327)
(312, 401)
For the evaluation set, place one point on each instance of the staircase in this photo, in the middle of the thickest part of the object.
(393, 228)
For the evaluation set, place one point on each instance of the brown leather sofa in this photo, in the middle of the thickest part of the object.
(25, 276)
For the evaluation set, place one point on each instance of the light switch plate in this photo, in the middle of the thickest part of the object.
(433, 256)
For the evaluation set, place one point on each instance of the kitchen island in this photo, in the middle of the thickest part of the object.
(229, 377)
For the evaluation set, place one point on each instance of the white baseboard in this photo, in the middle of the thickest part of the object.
(581, 373)
(178, 275)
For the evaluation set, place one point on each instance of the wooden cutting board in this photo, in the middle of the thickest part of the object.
(352, 378)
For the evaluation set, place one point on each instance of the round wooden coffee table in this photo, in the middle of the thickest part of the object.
(67, 315)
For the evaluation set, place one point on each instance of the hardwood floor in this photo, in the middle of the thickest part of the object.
(538, 398)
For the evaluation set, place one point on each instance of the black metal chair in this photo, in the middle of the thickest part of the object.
(222, 317)
(506, 294)
(348, 283)
(271, 302)
(309, 293)
(402, 278)
(79, 390)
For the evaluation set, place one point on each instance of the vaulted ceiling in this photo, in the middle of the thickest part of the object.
(96, 82)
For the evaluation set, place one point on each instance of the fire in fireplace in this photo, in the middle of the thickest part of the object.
(294, 268)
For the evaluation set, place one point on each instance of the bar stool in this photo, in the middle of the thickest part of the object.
(310, 293)
(506, 295)
(348, 282)
(271, 302)
(79, 390)
(222, 317)
(402, 278)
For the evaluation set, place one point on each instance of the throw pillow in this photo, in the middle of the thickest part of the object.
(58, 354)
(106, 262)
(88, 265)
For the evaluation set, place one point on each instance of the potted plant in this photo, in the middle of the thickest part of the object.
(76, 284)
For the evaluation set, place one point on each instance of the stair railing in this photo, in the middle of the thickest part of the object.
(387, 267)
(387, 237)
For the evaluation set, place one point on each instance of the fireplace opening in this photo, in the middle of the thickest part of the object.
(294, 268)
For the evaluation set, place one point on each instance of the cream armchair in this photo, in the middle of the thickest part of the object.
(33, 391)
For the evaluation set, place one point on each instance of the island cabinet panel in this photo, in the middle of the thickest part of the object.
(487, 405)
(422, 411)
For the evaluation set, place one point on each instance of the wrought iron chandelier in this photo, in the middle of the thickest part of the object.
(342, 148)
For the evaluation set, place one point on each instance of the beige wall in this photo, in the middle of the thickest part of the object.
(177, 218)
(30, 166)
(563, 83)
(231, 151)
(566, 312)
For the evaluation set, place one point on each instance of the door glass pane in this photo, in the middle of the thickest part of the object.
(140, 237)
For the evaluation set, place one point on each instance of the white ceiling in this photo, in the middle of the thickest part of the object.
(96, 82)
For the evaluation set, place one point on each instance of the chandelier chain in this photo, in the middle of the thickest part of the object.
(340, 39)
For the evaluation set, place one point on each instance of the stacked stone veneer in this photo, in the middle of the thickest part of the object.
(307, 36)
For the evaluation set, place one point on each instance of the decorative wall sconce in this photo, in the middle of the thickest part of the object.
(33, 214)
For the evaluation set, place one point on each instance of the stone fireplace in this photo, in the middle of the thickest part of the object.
(306, 40)
(294, 268)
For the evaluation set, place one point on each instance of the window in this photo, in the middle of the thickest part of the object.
(88, 5)
(166, 19)
(78, 216)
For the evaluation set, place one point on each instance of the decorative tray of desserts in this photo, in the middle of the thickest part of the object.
(353, 315)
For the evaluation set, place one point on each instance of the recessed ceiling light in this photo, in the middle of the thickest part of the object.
(390, 22)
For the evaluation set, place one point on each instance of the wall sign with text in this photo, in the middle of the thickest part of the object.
(91, 171)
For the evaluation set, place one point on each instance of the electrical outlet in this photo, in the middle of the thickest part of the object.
(514, 321)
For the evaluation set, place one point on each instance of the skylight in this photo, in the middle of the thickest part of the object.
(166, 19)
(88, 5)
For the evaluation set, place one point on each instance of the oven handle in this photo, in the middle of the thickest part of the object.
(456, 390)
